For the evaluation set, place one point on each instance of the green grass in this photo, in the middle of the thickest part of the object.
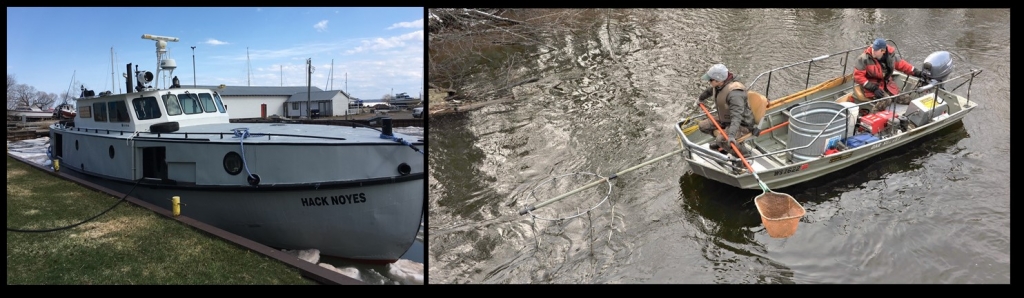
(128, 245)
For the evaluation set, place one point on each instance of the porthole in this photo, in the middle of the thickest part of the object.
(404, 169)
(233, 163)
(111, 150)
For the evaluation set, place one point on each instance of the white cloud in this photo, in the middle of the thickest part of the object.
(215, 42)
(321, 26)
(413, 24)
(391, 42)
(299, 52)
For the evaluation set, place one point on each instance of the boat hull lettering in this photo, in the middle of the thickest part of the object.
(334, 200)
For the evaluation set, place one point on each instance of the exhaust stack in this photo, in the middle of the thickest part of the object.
(128, 79)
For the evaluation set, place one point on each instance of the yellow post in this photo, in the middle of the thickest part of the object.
(56, 165)
(176, 202)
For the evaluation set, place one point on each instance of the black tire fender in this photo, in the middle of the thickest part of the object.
(164, 127)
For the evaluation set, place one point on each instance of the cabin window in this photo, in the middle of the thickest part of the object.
(101, 111)
(146, 108)
(190, 103)
(173, 107)
(85, 112)
(118, 111)
(208, 103)
(295, 106)
(220, 103)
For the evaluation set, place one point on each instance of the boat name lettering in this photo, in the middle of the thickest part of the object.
(335, 200)
(840, 157)
(787, 170)
(886, 142)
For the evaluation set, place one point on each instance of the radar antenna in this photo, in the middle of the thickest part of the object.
(163, 63)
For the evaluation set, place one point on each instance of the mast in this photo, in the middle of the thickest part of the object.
(329, 75)
(248, 67)
(113, 85)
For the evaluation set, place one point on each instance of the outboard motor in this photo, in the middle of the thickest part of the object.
(940, 65)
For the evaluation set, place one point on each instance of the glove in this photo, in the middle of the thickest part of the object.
(924, 74)
(879, 93)
(754, 131)
(704, 95)
(871, 86)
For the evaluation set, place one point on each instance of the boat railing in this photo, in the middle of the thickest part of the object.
(844, 62)
(969, 77)
(186, 134)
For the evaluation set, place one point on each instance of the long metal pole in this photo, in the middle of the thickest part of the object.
(113, 87)
(595, 183)
(193, 66)
(309, 83)
(248, 68)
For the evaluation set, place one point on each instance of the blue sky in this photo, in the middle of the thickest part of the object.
(380, 50)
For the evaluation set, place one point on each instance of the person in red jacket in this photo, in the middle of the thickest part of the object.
(872, 73)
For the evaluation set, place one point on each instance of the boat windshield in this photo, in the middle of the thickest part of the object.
(190, 103)
(208, 103)
(146, 108)
(220, 103)
(173, 107)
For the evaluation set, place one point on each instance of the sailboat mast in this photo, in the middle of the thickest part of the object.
(330, 77)
(248, 68)
(112, 79)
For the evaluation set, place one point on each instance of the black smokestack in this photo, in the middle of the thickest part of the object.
(128, 82)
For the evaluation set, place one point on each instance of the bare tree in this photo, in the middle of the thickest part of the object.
(10, 83)
(387, 98)
(20, 95)
(479, 53)
(44, 100)
(66, 97)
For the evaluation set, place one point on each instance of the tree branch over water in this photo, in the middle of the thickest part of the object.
(481, 54)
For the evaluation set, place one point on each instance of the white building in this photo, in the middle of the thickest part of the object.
(328, 103)
(248, 101)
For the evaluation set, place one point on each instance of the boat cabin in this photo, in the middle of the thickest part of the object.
(150, 109)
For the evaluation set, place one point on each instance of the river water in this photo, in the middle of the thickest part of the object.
(936, 211)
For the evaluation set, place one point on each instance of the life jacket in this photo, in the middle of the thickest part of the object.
(722, 100)
(873, 71)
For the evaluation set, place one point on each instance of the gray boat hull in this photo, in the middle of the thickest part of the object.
(376, 223)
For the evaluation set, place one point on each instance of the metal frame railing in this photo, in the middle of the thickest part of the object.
(186, 134)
